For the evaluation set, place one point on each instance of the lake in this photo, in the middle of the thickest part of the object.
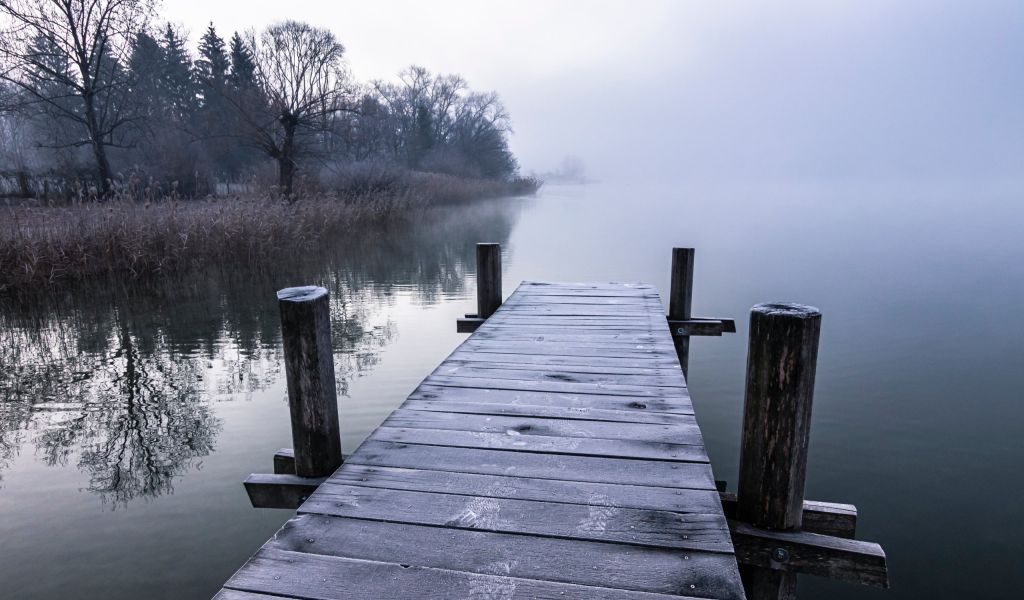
(129, 415)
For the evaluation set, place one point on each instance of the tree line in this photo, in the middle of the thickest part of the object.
(94, 90)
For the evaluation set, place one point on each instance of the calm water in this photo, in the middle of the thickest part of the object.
(128, 418)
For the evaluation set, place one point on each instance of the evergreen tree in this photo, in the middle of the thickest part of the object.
(178, 85)
(213, 63)
(145, 68)
(243, 66)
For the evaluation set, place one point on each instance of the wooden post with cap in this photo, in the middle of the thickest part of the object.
(309, 368)
(781, 364)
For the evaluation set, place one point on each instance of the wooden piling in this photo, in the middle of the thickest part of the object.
(488, 279)
(309, 368)
(781, 364)
(681, 300)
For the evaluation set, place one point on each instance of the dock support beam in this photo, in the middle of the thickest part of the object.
(681, 301)
(781, 364)
(488, 287)
(488, 279)
(309, 368)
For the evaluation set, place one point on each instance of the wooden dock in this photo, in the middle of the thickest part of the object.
(553, 454)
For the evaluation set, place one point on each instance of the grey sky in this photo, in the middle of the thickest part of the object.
(719, 90)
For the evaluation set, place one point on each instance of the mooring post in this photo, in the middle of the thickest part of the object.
(781, 363)
(681, 300)
(309, 368)
(488, 279)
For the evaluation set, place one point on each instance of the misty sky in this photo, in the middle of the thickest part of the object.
(709, 90)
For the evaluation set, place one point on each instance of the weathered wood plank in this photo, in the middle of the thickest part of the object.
(547, 412)
(662, 529)
(609, 389)
(227, 594)
(581, 446)
(547, 359)
(280, 491)
(528, 488)
(680, 405)
(565, 350)
(450, 370)
(677, 433)
(318, 577)
(597, 564)
(543, 466)
(543, 366)
(824, 555)
(825, 518)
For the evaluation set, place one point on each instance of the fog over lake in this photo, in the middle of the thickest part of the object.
(863, 157)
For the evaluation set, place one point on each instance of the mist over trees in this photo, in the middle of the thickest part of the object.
(97, 96)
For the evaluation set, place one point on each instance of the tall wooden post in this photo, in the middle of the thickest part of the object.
(488, 279)
(781, 363)
(681, 300)
(309, 367)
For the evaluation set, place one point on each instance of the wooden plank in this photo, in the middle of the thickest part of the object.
(565, 350)
(676, 433)
(318, 577)
(825, 518)
(554, 361)
(596, 564)
(527, 374)
(543, 366)
(543, 337)
(467, 324)
(227, 594)
(606, 389)
(680, 405)
(662, 529)
(548, 412)
(528, 488)
(543, 466)
(823, 555)
(615, 338)
(279, 491)
(581, 446)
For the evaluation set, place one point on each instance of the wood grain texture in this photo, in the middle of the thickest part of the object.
(781, 364)
(555, 454)
(488, 279)
(309, 369)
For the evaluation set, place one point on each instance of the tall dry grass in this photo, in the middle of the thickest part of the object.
(43, 245)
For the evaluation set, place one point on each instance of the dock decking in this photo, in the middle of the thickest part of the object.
(554, 454)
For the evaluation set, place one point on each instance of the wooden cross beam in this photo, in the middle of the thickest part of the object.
(283, 488)
(701, 326)
(680, 322)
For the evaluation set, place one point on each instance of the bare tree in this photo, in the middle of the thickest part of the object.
(67, 57)
(302, 76)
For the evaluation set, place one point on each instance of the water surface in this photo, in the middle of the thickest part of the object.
(129, 416)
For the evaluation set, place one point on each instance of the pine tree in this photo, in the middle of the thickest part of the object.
(213, 63)
(179, 87)
(243, 67)
(146, 71)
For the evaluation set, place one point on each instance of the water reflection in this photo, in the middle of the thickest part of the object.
(119, 380)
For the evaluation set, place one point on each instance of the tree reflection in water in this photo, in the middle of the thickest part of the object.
(119, 380)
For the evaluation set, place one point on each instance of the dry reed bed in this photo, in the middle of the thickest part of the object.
(45, 245)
